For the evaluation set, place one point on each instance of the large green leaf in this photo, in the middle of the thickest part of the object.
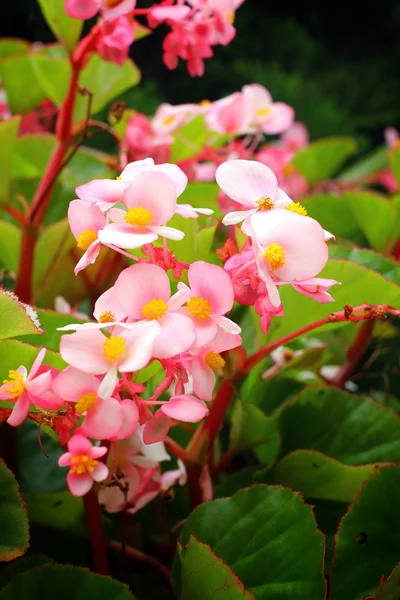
(52, 75)
(359, 286)
(318, 476)
(384, 265)
(23, 92)
(368, 165)
(64, 582)
(250, 428)
(336, 215)
(367, 546)
(375, 215)
(352, 429)
(389, 589)
(394, 161)
(14, 535)
(201, 195)
(13, 46)
(50, 321)
(31, 154)
(64, 27)
(16, 318)
(14, 353)
(269, 538)
(10, 241)
(58, 510)
(20, 565)
(205, 576)
(321, 159)
(8, 134)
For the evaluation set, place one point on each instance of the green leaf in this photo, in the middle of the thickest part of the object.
(10, 241)
(23, 91)
(31, 155)
(8, 134)
(64, 582)
(14, 353)
(50, 321)
(394, 161)
(389, 589)
(366, 544)
(318, 476)
(20, 565)
(189, 139)
(351, 429)
(65, 28)
(204, 241)
(16, 318)
(370, 259)
(202, 195)
(269, 538)
(359, 286)
(251, 428)
(268, 394)
(52, 75)
(375, 215)
(322, 159)
(14, 537)
(336, 215)
(58, 510)
(204, 576)
(13, 46)
(368, 165)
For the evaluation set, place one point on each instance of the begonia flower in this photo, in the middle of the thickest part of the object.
(84, 466)
(86, 221)
(270, 117)
(110, 10)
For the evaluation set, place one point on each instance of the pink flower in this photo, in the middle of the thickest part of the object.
(392, 138)
(231, 115)
(168, 118)
(85, 468)
(86, 221)
(267, 310)
(296, 137)
(115, 39)
(25, 389)
(62, 306)
(251, 184)
(104, 416)
(152, 302)
(279, 161)
(184, 407)
(287, 247)
(316, 288)
(110, 9)
(142, 141)
(126, 351)
(208, 299)
(270, 117)
(206, 361)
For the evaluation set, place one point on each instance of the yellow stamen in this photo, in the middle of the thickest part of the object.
(204, 103)
(275, 255)
(15, 385)
(82, 464)
(112, 3)
(119, 178)
(138, 216)
(155, 309)
(263, 111)
(214, 360)
(85, 402)
(231, 17)
(288, 169)
(168, 121)
(298, 208)
(114, 347)
(265, 203)
(86, 238)
(107, 317)
(199, 308)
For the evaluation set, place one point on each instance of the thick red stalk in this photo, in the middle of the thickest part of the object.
(96, 533)
(355, 353)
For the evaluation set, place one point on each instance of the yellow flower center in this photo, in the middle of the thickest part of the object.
(82, 464)
(214, 360)
(168, 121)
(141, 217)
(230, 16)
(86, 238)
(15, 385)
(119, 178)
(107, 317)
(114, 347)
(265, 203)
(263, 111)
(112, 3)
(85, 402)
(155, 309)
(275, 255)
(199, 308)
(204, 103)
(298, 208)
(288, 169)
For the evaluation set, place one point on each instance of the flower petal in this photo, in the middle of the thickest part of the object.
(104, 420)
(177, 335)
(246, 181)
(139, 284)
(155, 192)
(185, 408)
(79, 485)
(126, 236)
(85, 351)
(139, 343)
(82, 216)
(102, 190)
(100, 472)
(20, 410)
(203, 379)
(211, 283)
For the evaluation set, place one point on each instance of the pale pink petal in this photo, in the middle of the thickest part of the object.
(65, 459)
(79, 485)
(104, 420)
(246, 181)
(79, 445)
(109, 302)
(117, 215)
(111, 11)
(155, 192)
(188, 211)
(224, 341)
(22, 371)
(139, 346)
(89, 257)
(156, 430)
(235, 217)
(126, 236)
(205, 332)
(212, 283)
(185, 408)
(227, 324)
(282, 199)
(85, 351)
(98, 451)
(102, 190)
(82, 216)
(280, 118)
(20, 410)
(168, 232)
(81, 9)
(36, 365)
(100, 472)
(177, 335)
(72, 383)
(109, 382)
(40, 384)
(257, 95)
(203, 379)
(171, 478)
(130, 417)
(182, 295)
(134, 168)
(139, 284)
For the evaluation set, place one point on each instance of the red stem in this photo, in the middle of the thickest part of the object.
(142, 558)
(176, 449)
(355, 353)
(23, 286)
(96, 534)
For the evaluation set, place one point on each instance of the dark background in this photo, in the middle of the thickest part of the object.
(336, 63)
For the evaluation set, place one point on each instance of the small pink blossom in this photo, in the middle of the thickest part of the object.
(84, 466)
(267, 116)
(295, 138)
(86, 221)
(86, 9)
(115, 39)
(230, 115)
(62, 306)
(316, 288)
(24, 389)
